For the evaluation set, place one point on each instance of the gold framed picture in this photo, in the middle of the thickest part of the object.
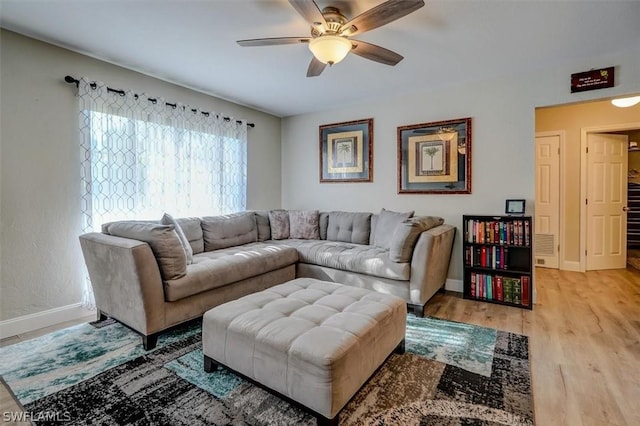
(435, 158)
(346, 151)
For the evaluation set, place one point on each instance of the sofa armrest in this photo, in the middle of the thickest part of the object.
(126, 280)
(430, 262)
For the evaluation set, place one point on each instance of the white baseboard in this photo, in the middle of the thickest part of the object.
(31, 322)
(454, 285)
(571, 266)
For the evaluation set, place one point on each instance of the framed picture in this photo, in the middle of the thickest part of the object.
(514, 207)
(435, 158)
(346, 151)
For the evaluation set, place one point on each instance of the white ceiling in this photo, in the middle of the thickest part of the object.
(447, 42)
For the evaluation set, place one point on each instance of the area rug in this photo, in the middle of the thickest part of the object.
(451, 374)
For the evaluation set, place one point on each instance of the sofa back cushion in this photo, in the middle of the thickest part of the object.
(386, 225)
(192, 228)
(304, 224)
(162, 239)
(349, 227)
(263, 225)
(406, 235)
(279, 224)
(229, 230)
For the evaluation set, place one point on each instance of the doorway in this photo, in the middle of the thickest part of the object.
(575, 121)
(604, 189)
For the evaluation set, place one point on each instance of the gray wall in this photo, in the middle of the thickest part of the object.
(503, 122)
(40, 258)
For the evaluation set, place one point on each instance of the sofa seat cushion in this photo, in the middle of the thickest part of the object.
(218, 268)
(363, 259)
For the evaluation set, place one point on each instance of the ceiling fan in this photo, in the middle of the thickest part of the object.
(330, 32)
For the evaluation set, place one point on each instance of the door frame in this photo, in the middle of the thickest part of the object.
(584, 132)
(561, 239)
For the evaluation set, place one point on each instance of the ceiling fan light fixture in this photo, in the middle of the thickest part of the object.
(329, 49)
(626, 102)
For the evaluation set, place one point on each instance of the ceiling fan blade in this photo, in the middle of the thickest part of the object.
(315, 68)
(272, 41)
(380, 15)
(375, 53)
(310, 12)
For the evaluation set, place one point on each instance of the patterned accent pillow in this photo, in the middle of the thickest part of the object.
(279, 223)
(304, 224)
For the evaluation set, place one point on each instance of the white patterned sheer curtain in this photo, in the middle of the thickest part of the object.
(143, 158)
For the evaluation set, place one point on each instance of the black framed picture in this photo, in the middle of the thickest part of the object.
(515, 207)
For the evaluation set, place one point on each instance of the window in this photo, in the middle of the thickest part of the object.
(138, 169)
(141, 157)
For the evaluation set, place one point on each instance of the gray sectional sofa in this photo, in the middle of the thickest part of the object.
(152, 275)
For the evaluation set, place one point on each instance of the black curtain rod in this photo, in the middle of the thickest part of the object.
(121, 92)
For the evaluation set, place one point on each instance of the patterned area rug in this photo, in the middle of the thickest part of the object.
(451, 374)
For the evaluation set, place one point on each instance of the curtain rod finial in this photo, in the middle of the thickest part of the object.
(70, 79)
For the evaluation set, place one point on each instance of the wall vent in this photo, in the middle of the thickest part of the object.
(545, 244)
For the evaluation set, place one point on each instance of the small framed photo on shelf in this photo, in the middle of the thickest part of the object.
(346, 151)
(515, 207)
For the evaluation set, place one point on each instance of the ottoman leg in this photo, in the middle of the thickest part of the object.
(400, 348)
(210, 365)
(323, 421)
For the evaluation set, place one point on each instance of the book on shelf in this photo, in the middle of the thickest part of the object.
(508, 290)
(517, 290)
(526, 290)
(499, 288)
(472, 290)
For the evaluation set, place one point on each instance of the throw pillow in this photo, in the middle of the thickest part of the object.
(192, 228)
(262, 222)
(164, 243)
(324, 223)
(167, 219)
(386, 226)
(304, 224)
(406, 235)
(279, 223)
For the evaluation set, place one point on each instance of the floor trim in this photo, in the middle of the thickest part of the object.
(453, 285)
(31, 322)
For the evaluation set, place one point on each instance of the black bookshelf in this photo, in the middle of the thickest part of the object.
(498, 259)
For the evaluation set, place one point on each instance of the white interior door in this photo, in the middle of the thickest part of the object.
(606, 201)
(547, 211)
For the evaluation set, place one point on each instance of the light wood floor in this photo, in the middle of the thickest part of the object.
(584, 335)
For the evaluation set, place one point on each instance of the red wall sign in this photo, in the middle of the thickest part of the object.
(592, 80)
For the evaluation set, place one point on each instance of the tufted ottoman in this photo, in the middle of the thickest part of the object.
(310, 341)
